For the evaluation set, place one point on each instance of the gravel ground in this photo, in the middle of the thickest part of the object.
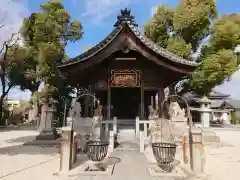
(223, 163)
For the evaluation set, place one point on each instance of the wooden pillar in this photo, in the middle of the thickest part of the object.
(91, 102)
(160, 100)
(86, 103)
(142, 100)
(109, 101)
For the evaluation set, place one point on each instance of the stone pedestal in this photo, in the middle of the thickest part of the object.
(47, 131)
(209, 136)
(47, 134)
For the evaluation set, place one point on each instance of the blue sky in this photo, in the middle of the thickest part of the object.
(98, 17)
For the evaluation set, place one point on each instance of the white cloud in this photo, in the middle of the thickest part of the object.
(153, 10)
(231, 87)
(98, 10)
(16, 93)
(12, 13)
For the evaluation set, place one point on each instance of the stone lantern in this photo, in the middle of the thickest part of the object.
(46, 126)
(205, 111)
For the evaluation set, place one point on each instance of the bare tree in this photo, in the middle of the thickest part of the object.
(5, 66)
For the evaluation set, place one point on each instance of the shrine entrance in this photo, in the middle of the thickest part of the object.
(126, 102)
(125, 71)
(125, 94)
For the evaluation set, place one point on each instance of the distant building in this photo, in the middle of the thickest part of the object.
(11, 104)
(15, 110)
(221, 104)
(216, 97)
(233, 106)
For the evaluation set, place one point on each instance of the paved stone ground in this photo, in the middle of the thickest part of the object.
(132, 165)
(25, 162)
(28, 162)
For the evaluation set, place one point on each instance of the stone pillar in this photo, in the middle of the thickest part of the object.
(47, 131)
(65, 153)
(145, 129)
(115, 125)
(152, 101)
(137, 127)
(142, 141)
(111, 143)
(156, 102)
(205, 111)
(197, 158)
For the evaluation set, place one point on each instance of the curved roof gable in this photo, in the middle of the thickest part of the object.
(125, 19)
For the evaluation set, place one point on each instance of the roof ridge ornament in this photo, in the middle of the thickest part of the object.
(125, 17)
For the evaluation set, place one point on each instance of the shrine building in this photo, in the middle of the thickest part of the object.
(125, 71)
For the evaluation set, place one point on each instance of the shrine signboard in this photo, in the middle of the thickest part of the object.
(125, 78)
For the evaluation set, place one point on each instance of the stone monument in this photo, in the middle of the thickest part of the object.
(46, 128)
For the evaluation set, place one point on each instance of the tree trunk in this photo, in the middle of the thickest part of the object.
(2, 120)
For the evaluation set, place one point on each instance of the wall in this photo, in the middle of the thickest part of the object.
(236, 115)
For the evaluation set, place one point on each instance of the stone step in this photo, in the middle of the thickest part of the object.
(126, 133)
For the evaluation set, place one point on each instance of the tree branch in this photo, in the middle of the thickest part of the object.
(1, 24)
(8, 89)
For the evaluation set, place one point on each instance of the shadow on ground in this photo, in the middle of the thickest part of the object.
(29, 150)
(21, 139)
(25, 127)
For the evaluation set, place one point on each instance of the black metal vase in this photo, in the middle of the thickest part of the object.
(165, 155)
(97, 150)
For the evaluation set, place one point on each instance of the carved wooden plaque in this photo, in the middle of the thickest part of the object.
(125, 78)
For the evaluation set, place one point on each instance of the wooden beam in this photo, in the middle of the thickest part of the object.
(142, 99)
(109, 99)
(160, 100)
(125, 59)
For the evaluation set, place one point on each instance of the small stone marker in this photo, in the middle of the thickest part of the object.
(65, 155)
(197, 164)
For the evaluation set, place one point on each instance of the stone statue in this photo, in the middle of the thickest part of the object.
(98, 111)
(71, 110)
(78, 109)
(97, 116)
(176, 113)
(152, 113)
(75, 110)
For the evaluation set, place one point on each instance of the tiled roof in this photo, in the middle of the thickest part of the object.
(234, 103)
(218, 94)
(123, 22)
